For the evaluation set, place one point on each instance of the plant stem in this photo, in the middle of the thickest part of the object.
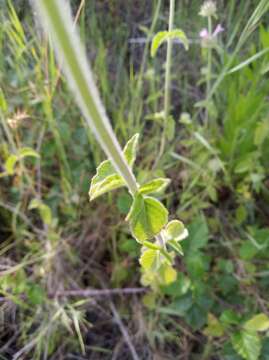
(209, 69)
(167, 84)
(160, 240)
(138, 91)
(56, 16)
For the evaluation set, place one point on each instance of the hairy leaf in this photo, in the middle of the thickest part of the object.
(154, 186)
(175, 230)
(110, 183)
(168, 273)
(148, 259)
(106, 178)
(147, 217)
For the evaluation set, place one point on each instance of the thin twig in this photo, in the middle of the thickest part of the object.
(100, 292)
(167, 84)
(124, 331)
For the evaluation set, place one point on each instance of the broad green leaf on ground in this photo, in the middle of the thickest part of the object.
(229, 317)
(130, 150)
(214, 327)
(247, 344)
(198, 235)
(197, 264)
(163, 36)
(259, 322)
(154, 186)
(147, 217)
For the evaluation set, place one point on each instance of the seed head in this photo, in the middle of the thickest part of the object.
(15, 121)
(208, 8)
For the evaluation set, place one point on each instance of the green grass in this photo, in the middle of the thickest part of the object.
(219, 188)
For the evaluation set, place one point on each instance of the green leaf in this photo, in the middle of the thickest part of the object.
(150, 245)
(248, 250)
(148, 259)
(106, 178)
(103, 170)
(247, 344)
(245, 164)
(197, 265)
(28, 152)
(154, 186)
(157, 41)
(112, 182)
(124, 202)
(163, 36)
(214, 328)
(171, 127)
(149, 300)
(169, 274)
(259, 322)
(229, 317)
(261, 132)
(175, 230)
(12, 159)
(176, 246)
(130, 150)
(43, 209)
(196, 317)
(147, 217)
(10, 164)
(36, 294)
(198, 235)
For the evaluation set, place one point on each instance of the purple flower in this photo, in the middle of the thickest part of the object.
(205, 35)
(219, 29)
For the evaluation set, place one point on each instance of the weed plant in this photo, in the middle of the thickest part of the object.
(77, 280)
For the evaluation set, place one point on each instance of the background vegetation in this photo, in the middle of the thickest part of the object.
(55, 245)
